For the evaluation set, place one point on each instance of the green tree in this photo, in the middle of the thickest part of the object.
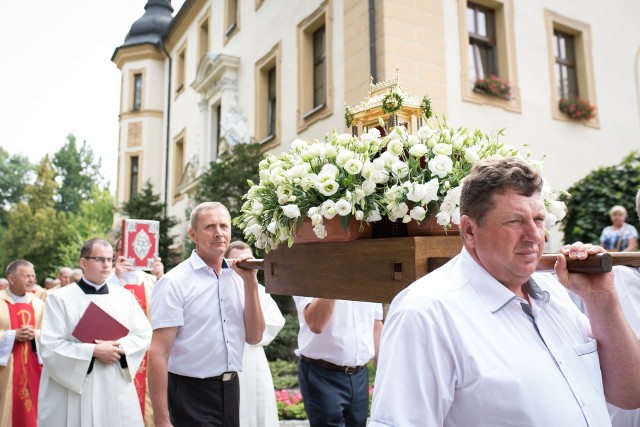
(78, 173)
(147, 205)
(36, 231)
(94, 219)
(226, 181)
(593, 196)
(15, 173)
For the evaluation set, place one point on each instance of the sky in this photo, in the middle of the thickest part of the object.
(56, 75)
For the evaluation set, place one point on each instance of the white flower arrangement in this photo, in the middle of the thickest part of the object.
(401, 176)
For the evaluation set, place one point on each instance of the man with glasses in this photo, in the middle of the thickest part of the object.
(91, 383)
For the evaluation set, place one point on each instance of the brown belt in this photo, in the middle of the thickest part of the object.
(328, 365)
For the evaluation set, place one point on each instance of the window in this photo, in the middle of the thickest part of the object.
(231, 24)
(133, 176)
(203, 38)
(483, 55)
(565, 58)
(178, 165)
(487, 51)
(315, 76)
(570, 65)
(137, 92)
(180, 70)
(267, 98)
(319, 68)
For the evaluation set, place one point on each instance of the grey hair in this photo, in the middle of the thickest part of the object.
(204, 206)
(13, 266)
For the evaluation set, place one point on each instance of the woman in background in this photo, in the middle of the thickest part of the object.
(619, 236)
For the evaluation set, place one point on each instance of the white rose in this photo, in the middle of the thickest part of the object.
(353, 166)
(440, 166)
(327, 188)
(291, 211)
(343, 207)
(320, 231)
(442, 148)
(418, 150)
(443, 218)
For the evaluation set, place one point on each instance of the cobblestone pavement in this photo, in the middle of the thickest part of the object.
(294, 423)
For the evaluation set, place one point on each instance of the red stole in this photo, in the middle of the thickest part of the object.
(140, 380)
(26, 369)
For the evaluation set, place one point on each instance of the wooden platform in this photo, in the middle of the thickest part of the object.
(362, 270)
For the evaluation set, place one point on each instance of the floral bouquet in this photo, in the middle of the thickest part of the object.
(577, 108)
(431, 167)
(493, 86)
(314, 180)
(401, 176)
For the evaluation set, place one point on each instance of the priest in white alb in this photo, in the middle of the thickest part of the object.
(91, 384)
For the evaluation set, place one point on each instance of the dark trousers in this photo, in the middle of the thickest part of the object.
(195, 402)
(334, 398)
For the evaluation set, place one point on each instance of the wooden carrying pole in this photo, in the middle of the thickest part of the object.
(599, 263)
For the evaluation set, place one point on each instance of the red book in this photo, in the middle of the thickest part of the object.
(97, 324)
(140, 239)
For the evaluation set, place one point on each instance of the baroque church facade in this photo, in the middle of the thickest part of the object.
(221, 72)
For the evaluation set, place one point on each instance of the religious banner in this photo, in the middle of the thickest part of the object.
(140, 242)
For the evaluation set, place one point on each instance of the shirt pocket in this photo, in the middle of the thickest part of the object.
(588, 355)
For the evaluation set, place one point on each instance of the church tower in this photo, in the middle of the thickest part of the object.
(142, 59)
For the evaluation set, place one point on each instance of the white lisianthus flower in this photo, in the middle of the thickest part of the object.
(400, 210)
(455, 218)
(367, 137)
(418, 213)
(395, 147)
(374, 216)
(264, 175)
(412, 140)
(455, 194)
(550, 220)
(448, 205)
(368, 187)
(255, 229)
(264, 163)
(495, 156)
(359, 215)
(400, 130)
(557, 209)
(443, 218)
(431, 192)
(471, 155)
(440, 165)
(400, 169)
(508, 150)
(378, 163)
(344, 138)
(257, 207)
(282, 199)
(291, 211)
(425, 132)
(375, 132)
(536, 165)
(343, 207)
(330, 170)
(458, 141)
(308, 181)
(330, 151)
(328, 209)
(344, 156)
(299, 144)
(316, 219)
(353, 166)
(272, 227)
(320, 231)
(378, 177)
(406, 219)
(417, 192)
(328, 188)
(443, 149)
(418, 150)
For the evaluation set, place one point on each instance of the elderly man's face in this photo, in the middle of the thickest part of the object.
(22, 281)
(64, 276)
(511, 240)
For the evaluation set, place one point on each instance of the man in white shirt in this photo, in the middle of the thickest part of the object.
(337, 339)
(483, 341)
(202, 313)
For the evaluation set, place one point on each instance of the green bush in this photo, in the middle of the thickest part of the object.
(283, 346)
(284, 373)
(591, 198)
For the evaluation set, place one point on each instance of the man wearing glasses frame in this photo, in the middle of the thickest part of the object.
(91, 383)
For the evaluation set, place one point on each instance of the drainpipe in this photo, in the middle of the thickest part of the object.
(372, 40)
(166, 152)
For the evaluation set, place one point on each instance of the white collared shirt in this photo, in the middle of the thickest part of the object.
(458, 350)
(208, 312)
(347, 340)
